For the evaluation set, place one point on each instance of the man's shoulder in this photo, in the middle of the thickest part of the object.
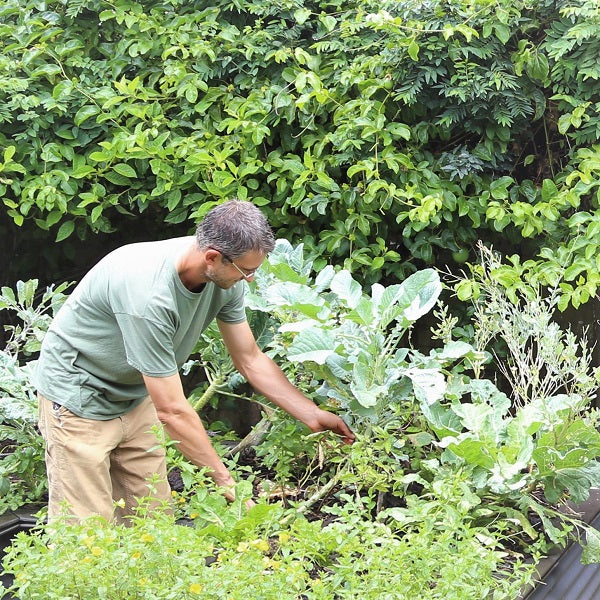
(150, 249)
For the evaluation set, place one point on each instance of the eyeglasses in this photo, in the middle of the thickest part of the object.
(245, 274)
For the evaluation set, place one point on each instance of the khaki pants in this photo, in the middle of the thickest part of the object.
(93, 464)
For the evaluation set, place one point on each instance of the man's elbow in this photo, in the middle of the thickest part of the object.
(169, 414)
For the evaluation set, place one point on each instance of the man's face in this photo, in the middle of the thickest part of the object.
(226, 272)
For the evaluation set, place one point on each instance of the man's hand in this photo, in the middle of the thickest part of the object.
(326, 421)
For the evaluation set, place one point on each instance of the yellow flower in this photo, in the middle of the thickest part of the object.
(194, 516)
(262, 545)
(142, 582)
(284, 538)
(147, 538)
(195, 588)
(136, 554)
(96, 551)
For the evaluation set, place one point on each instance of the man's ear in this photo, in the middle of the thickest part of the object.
(211, 256)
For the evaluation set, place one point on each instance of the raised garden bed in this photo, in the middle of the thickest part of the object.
(561, 576)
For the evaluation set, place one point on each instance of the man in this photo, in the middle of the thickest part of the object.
(108, 369)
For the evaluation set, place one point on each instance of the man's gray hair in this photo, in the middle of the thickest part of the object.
(234, 228)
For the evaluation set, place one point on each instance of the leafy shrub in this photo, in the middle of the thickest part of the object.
(385, 136)
(22, 469)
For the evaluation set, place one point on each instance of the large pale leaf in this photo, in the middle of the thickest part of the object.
(429, 384)
(442, 420)
(286, 254)
(312, 344)
(346, 288)
(324, 277)
(367, 394)
(454, 350)
(339, 367)
(299, 297)
(367, 397)
(411, 299)
(420, 293)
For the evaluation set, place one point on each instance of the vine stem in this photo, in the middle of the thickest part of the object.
(318, 495)
(210, 391)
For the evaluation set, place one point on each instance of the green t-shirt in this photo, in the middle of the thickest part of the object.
(130, 315)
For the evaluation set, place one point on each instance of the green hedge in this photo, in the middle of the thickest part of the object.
(384, 135)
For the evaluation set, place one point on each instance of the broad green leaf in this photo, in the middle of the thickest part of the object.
(367, 397)
(53, 217)
(84, 113)
(454, 350)
(502, 32)
(364, 313)
(499, 187)
(313, 344)
(443, 421)
(9, 152)
(413, 50)
(96, 213)
(576, 481)
(339, 367)
(82, 171)
(65, 230)
(117, 178)
(475, 452)
(399, 129)
(301, 15)
(549, 190)
(328, 21)
(124, 169)
(26, 291)
(7, 297)
(285, 273)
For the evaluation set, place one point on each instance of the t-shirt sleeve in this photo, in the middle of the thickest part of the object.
(148, 345)
(233, 311)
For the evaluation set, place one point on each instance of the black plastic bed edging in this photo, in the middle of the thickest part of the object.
(568, 579)
(10, 525)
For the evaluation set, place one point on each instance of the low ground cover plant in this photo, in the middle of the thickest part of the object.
(266, 552)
